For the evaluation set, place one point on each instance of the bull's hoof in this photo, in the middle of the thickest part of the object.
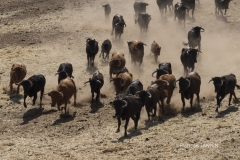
(125, 135)
(118, 130)
(25, 106)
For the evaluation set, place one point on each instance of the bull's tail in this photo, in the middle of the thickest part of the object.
(238, 87)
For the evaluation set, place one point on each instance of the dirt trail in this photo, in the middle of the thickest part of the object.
(44, 33)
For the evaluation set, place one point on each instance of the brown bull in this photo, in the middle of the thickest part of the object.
(136, 50)
(17, 74)
(155, 49)
(122, 81)
(116, 63)
(63, 93)
(167, 89)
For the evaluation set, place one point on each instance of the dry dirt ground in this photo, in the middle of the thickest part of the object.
(44, 33)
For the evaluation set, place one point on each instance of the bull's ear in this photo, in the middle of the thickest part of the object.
(111, 103)
(49, 93)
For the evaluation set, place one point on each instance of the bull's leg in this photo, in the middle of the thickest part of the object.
(199, 46)
(230, 98)
(41, 95)
(184, 22)
(193, 12)
(154, 110)
(136, 120)
(225, 11)
(97, 97)
(65, 107)
(92, 96)
(34, 98)
(107, 55)
(183, 102)
(18, 86)
(169, 96)
(191, 101)
(88, 59)
(119, 124)
(193, 67)
(125, 127)
(148, 112)
(218, 101)
(75, 97)
(216, 10)
(11, 86)
(24, 101)
(156, 56)
(198, 99)
(185, 70)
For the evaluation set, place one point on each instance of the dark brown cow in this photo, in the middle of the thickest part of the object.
(122, 81)
(17, 74)
(150, 98)
(167, 89)
(117, 63)
(137, 51)
(64, 91)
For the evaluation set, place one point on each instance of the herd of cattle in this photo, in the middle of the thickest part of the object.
(130, 94)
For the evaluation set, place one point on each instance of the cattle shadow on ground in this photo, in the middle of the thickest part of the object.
(64, 118)
(92, 69)
(230, 109)
(95, 106)
(31, 114)
(191, 111)
(16, 98)
(130, 134)
(222, 18)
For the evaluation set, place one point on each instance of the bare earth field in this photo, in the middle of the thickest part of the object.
(44, 33)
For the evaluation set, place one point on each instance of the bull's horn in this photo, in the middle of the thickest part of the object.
(221, 83)
(154, 73)
(111, 80)
(166, 71)
(175, 83)
(125, 105)
(117, 24)
(57, 73)
(125, 24)
(189, 83)
(88, 81)
(61, 95)
(119, 63)
(210, 80)
(123, 81)
(144, 44)
(199, 51)
(166, 82)
(99, 81)
(202, 29)
(149, 94)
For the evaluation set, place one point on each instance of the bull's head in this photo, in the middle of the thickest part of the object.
(160, 72)
(26, 86)
(218, 83)
(184, 84)
(140, 48)
(92, 44)
(198, 29)
(56, 96)
(119, 106)
(144, 95)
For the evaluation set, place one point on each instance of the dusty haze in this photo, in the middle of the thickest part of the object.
(42, 34)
